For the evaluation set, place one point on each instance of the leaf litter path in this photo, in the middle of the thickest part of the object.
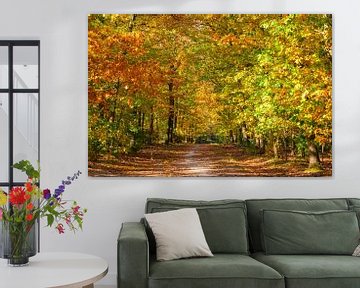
(194, 162)
(201, 160)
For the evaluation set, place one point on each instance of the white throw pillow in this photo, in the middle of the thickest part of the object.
(178, 234)
(357, 251)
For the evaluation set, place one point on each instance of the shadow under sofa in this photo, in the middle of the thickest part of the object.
(232, 229)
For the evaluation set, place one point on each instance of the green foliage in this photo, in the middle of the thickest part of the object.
(26, 167)
(190, 76)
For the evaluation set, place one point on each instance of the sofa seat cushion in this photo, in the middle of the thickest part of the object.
(313, 271)
(222, 270)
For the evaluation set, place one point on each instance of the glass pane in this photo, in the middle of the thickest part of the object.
(26, 67)
(4, 137)
(4, 67)
(26, 130)
(5, 189)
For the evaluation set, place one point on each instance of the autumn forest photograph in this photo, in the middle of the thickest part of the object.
(189, 95)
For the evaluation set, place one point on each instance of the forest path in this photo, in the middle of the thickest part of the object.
(195, 160)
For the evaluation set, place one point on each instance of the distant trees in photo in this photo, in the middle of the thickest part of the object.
(258, 81)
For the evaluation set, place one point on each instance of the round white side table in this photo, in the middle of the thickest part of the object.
(50, 270)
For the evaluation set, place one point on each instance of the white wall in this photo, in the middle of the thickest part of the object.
(62, 28)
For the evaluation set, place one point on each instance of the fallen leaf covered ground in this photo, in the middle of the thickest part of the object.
(203, 160)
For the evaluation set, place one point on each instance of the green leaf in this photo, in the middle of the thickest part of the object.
(50, 219)
(26, 167)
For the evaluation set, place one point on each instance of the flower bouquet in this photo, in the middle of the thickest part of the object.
(21, 208)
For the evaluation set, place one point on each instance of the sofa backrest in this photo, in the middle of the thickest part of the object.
(353, 202)
(223, 221)
(256, 205)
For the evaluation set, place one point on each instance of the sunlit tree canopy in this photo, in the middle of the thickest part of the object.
(258, 81)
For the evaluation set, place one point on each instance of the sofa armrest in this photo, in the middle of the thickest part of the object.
(133, 256)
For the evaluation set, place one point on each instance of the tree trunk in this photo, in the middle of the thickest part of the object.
(292, 147)
(113, 114)
(322, 152)
(261, 146)
(132, 22)
(231, 135)
(275, 148)
(285, 149)
(142, 121)
(239, 139)
(314, 160)
(170, 130)
(175, 127)
(139, 114)
(244, 135)
(151, 126)
(257, 144)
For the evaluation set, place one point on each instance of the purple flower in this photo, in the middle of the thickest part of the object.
(58, 192)
(68, 181)
(46, 194)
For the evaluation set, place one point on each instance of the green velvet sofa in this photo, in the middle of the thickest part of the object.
(234, 232)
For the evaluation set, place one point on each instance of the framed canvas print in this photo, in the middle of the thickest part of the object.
(210, 95)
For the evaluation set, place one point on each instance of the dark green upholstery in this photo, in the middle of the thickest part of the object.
(153, 203)
(222, 270)
(315, 271)
(254, 216)
(294, 232)
(223, 221)
(226, 218)
(356, 209)
(133, 256)
(353, 202)
(354, 205)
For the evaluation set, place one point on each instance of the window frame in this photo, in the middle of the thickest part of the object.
(10, 91)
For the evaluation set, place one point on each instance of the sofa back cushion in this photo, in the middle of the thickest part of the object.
(223, 222)
(256, 205)
(353, 201)
(354, 205)
(298, 232)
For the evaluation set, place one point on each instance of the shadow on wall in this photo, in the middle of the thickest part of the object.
(190, 6)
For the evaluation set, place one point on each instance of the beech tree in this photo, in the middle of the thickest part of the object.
(258, 81)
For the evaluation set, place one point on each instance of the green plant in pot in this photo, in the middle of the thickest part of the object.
(22, 207)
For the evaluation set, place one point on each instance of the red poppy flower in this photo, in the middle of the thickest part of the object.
(29, 217)
(29, 186)
(17, 196)
(27, 196)
(29, 206)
